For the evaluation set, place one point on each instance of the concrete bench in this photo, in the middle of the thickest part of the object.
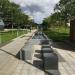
(45, 42)
(50, 61)
(26, 53)
(47, 50)
(46, 46)
(50, 58)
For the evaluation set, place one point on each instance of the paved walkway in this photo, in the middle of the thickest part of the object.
(66, 55)
(9, 64)
(17, 43)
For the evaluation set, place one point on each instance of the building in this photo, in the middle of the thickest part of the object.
(1, 24)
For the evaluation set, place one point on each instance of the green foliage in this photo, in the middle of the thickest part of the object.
(8, 36)
(67, 8)
(55, 19)
(64, 12)
(11, 13)
(44, 25)
(58, 34)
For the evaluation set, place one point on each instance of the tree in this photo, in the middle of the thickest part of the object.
(55, 19)
(11, 13)
(64, 12)
(44, 25)
(67, 8)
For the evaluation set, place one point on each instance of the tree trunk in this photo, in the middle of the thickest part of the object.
(72, 30)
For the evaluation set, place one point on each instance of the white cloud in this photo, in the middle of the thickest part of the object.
(39, 9)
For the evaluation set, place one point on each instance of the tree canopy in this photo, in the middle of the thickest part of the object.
(11, 13)
(67, 8)
(64, 11)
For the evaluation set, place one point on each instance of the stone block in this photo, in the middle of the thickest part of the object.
(47, 50)
(50, 61)
(26, 54)
(45, 42)
(46, 46)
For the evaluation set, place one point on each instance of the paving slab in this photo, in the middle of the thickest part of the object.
(9, 64)
(67, 62)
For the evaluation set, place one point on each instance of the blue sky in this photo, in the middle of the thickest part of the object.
(37, 9)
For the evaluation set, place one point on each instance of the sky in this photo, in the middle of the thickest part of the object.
(37, 9)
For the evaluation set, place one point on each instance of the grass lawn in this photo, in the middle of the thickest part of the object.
(58, 33)
(8, 36)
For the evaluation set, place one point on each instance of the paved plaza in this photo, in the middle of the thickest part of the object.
(11, 65)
